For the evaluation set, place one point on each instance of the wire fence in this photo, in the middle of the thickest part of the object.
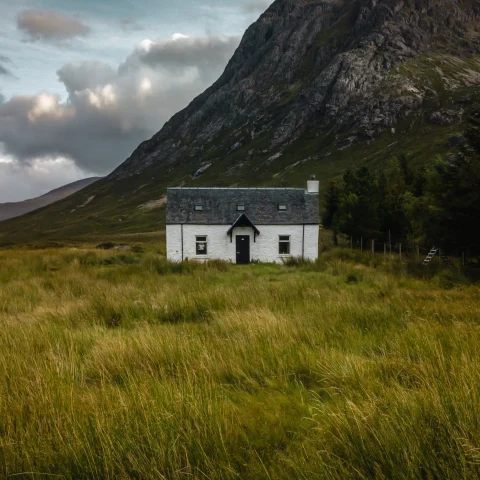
(403, 251)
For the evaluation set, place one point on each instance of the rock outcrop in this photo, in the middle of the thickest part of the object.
(338, 65)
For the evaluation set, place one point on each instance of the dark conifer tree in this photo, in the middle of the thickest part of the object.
(331, 204)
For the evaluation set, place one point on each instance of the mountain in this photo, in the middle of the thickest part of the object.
(314, 87)
(15, 209)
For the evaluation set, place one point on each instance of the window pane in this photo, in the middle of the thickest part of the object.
(198, 208)
(284, 248)
(240, 208)
(284, 245)
(201, 248)
(282, 208)
(201, 244)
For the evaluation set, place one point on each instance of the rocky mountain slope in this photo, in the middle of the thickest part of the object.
(314, 87)
(15, 209)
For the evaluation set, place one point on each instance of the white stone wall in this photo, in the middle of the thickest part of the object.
(174, 243)
(311, 242)
(265, 249)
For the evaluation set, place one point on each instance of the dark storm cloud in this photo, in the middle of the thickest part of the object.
(109, 112)
(50, 26)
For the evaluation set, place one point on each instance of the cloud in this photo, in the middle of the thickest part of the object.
(256, 6)
(50, 26)
(18, 182)
(86, 75)
(3, 69)
(181, 51)
(108, 111)
(130, 24)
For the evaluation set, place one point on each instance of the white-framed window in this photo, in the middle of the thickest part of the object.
(284, 244)
(201, 245)
(199, 208)
(240, 207)
(282, 207)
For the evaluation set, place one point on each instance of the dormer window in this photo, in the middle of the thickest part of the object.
(240, 207)
(199, 208)
(282, 208)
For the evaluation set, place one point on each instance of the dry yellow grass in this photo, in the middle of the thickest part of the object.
(118, 365)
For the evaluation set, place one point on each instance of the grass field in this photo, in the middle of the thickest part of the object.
(119, 365)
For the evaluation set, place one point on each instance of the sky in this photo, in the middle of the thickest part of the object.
(82, 84)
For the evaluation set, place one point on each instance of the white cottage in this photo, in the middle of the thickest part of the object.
(243, 224)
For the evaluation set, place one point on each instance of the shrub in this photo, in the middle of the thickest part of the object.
(448, 279)
(352, 279)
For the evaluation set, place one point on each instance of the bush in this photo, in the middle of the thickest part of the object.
(448, 279)
(352, 279)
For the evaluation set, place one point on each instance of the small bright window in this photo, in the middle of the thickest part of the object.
(201, 245)
(198, 208)
(282, 208)
(240, 207)
(284, 245)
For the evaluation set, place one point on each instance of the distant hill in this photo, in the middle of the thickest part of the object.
(315, 87)
(15, 209)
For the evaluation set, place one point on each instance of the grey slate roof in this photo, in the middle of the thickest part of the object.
(261, 206)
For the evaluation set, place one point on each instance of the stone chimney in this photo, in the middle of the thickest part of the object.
(313, 185)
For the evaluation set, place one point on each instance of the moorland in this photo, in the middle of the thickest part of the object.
(117, 364)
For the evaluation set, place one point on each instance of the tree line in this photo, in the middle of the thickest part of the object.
(419, 206)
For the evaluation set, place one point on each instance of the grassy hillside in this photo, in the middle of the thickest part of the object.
(118, 365)
(15, 209)
(136, 204)
(117, 208)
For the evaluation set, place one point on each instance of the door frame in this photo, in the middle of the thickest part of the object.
(238, 252)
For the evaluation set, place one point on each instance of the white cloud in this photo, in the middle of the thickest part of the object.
(179, 36)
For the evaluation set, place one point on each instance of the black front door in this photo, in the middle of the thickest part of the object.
(243, 249)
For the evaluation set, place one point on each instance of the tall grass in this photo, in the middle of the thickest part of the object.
(119, 365)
